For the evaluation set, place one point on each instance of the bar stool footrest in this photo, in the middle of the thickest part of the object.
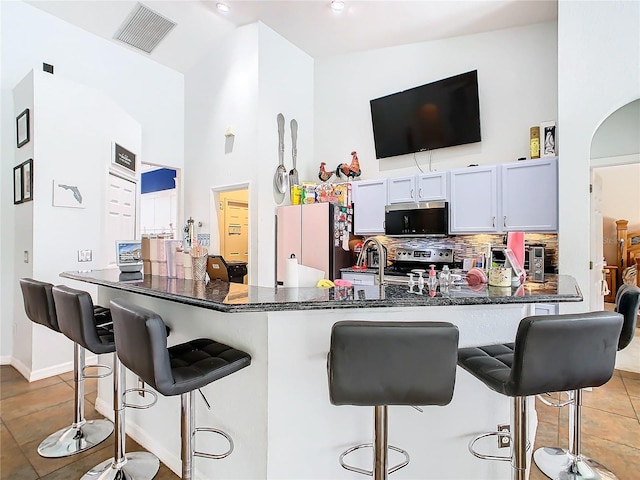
(362, 471)
(138, 390)
(214, 455)
(483, 456)
(97, 375)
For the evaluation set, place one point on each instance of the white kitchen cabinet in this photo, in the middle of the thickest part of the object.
(432, 187)
(530, 196)
(401, 190)
(369, 200)
(546, 309)
(474, 200)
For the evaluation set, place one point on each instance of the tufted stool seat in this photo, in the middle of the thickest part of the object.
(390, 363)
(141, 345)
(557, 463)
(552, 353)
(82, 434)
(73, 308)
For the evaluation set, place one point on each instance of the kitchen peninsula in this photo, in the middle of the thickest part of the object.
(278, 410)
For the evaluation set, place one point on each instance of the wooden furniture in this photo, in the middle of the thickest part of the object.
(611, 277)
(628, 250)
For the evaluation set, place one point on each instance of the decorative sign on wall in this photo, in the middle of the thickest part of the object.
(124, 158)
(68, 194)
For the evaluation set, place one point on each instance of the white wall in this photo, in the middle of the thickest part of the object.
(599, 72)
(517, 78)
(79, 156)
(151, 93)
(245, 82)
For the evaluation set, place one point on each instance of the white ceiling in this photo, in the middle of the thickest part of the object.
(309, 24)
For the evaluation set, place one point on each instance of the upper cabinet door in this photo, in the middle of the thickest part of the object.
(530, 196)
(369, 200)
(474, 200)
(432, 187)
(401, 190)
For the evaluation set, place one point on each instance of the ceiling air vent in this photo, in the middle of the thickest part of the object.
(144, 29)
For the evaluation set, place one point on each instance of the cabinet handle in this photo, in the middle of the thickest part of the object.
(411, 193)
(493, 221)
(504, 222)
(420, 193)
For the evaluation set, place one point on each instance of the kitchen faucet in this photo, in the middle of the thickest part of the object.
(382, 256)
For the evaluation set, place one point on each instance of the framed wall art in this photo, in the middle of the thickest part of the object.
(124, 159)
(22, 128)
(23, 182)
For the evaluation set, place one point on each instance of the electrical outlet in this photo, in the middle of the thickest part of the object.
(85, 255)
(26, 256)
(141, 387)
(504, 441)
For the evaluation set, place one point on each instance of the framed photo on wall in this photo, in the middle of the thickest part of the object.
(22, 128)
(27, 180)
(23, 182)
(17, 184)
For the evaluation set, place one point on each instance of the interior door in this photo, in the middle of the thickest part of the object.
(596, 294)
(120, 216)
(236, 231)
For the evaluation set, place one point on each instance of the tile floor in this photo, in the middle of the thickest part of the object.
(30, 411)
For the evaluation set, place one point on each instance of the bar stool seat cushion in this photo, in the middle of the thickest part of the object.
(141, 341)
(552, 353)
(392, 363)
(38, 303)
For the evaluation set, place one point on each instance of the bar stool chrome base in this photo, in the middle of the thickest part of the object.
(351, 468)
(136, 466)
(559, 464)
(75, 438)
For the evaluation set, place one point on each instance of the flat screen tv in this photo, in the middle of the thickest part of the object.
(435, 115)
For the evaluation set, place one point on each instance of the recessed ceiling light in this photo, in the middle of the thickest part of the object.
(337, 5)
(223, 7)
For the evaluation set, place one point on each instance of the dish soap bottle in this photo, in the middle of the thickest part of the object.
(433, 280)
(445, 277)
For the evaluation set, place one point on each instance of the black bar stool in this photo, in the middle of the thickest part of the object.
(141, 344)
(82, 434)
(74, 309)
(552, 353)
(390, 363)
(558, 463)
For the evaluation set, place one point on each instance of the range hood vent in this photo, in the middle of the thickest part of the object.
(144, 29)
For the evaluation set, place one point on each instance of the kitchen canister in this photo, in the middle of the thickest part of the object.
(199, 261)
(500, 277)
(170, 255)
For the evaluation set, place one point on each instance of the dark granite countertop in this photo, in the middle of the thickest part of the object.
(237, 297)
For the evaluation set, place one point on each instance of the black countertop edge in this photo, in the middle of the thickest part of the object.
(238, 298)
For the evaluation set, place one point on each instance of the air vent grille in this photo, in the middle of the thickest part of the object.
(144, 29)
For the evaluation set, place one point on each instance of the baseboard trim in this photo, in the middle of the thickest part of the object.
(35, 375)
(134, 431)
(5, 360)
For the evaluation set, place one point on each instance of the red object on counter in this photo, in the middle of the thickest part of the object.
(360, 267)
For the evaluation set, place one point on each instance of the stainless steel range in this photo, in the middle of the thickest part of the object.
(407, 259)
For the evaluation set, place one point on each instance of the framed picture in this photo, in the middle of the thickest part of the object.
(22, 128)
(23, 182)
(69, 193)
(17, 184)
(548, 139)
(27, 180)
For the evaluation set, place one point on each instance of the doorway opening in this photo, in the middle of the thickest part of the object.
(230, 233)
(159, 199)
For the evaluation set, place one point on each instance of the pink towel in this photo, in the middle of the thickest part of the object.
(515, 241)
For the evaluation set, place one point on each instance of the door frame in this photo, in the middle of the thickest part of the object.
(180, 221)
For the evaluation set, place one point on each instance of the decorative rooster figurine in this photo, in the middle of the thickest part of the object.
(352, 170)
(323, 174)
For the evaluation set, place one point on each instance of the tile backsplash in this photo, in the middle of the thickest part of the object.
(472, 246)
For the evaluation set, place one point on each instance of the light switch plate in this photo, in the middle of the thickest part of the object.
(85, 255)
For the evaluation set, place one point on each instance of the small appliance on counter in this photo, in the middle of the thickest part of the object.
(129, 255)
(417, 220)
(408, 259)
(535, 262)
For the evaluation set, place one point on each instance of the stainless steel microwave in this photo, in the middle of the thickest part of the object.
(417, 219)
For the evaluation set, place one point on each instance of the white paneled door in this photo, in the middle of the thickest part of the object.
(120, 216)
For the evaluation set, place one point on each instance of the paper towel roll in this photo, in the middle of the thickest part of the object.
(291, 272)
